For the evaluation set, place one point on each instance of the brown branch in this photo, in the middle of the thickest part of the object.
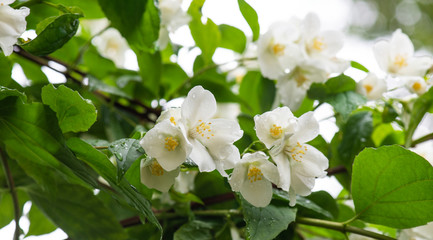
(13, 192)
(336, 170)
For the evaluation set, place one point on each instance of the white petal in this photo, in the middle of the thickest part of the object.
(400, 44)
(12, 25)
(238, 176)
(155, 144)
(6, 2)
(307, 130)
(269, 171)
(226, 160)
(171, 114)
(283, 166)
(201, 157)
(311, 162)
(258, 193)
(292, 197)
(417, 66)
(311, 25)
(382, 53)
(269, 124)
(372, 87)
(302, 185)
(333, 42)
(291, 95)
(217, 132)
(161, 182)
(200, 104)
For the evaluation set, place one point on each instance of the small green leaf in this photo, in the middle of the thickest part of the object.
(258, 92)
(5, 71)
(207, 36)
(392, 186)
(6, 209)
(74, 113)
(150, 70)
(266, 223)
(79, 213)
(340, 83)
(423, 104)
(185, 197)
(126, 151)
(54, 36)
(251, 17)
(345, 102)
(232, 38)
(39, 223)
(358, 66)
(198, 230)
(7, 92)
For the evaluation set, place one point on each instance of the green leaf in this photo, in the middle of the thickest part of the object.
(54, 36)
(358, 66)
(356, 135)
(150, 70)
(101, 164)
(345, 102)
(79, 213)
(198, 230)
(266, 223)
(39, 223)
(172, 78)
(258, 92)
(207, 36)
(185, 197)
(126, 151)
(96, 84)
(74, 113)
(6, 209)
(5, 71)
(340, 83)
(251, 17)
(423, 104)
(90, 8)
(392, 186)
(232, 38)
(7, 92)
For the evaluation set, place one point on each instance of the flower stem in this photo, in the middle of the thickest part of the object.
(422, 139)
(13, 192)
(340, 227)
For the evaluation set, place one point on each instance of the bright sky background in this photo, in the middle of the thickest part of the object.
(334, 15)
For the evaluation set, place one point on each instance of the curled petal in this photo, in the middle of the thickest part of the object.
(200, 104)
(283, 166)
(201, 157)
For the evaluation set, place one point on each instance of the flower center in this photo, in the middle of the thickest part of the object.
(318, 44)
(172, 120)
(254, 174)
(278, 49)
(297, 152)
(204, 129)
(300, 79)
(368, 88)
(400, 61)
(171, 143)
(156, 169)
(275, 131)
(417, 86)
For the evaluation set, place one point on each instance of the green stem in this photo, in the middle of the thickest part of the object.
(27, 4)
(340, 227)
(422, 139)
(13, 192)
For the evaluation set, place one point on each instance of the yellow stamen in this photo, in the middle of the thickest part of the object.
(300, 79)
(400, 61)
(297, 152)
(278, 49)
(318, 44)
(204, 129)
(172, 120)
(171, 143)
(156, 169)
(275, 131)
(254, 174)
(368, 88)
(417, 86)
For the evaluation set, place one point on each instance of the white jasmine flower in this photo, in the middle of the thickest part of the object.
(292, 88)
(172, 17)
(12, 25)
(253, 176)
(298, 163)
(416, 84)
(212, 139)
(112, 45)
(424, 232)
(372, 87)
(167, 143)
(396, 56)
(185, 181)
(277, 51)
(154, 176)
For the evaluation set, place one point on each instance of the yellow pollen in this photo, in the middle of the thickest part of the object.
(300, 79)
(204, 129)
(276, 131)
(297, 152)
(400, 61)
(172, 120)
(254, 174)
(171, 143)
(368, 88)
(318, 44)
(417, 86)
(156, 169)
(278, 49)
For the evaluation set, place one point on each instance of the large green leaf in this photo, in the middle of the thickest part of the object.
(79, 213)
(126, 151)
(90, 8)
(74, 113)
(422, 104)
(101, 164)
(251, 17)
(194, 230)
(39, 223)
(150, 70)
(232, 38)
(392, 186)
(345, 102)
(54, 36)
(266, 223)
(5, 71)
(7, 92)
(207, 36)
(258, 92)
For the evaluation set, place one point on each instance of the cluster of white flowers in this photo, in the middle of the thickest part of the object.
(296, 54)
(172, 18)
(297, 163)
(189, 133)
(12, 25)
(396, 58)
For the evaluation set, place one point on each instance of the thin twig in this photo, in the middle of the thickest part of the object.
(336, 170)
(13, 192)
(422, 139)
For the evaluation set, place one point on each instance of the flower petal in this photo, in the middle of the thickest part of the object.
(162, 181)
(381, 52)
(312, 164)
(171, 114)
(283, 166)
(258, 193)
(200, 104)
(201, 157)
(302, 185)
(307, 129)
(274, 125)
(238, 176)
